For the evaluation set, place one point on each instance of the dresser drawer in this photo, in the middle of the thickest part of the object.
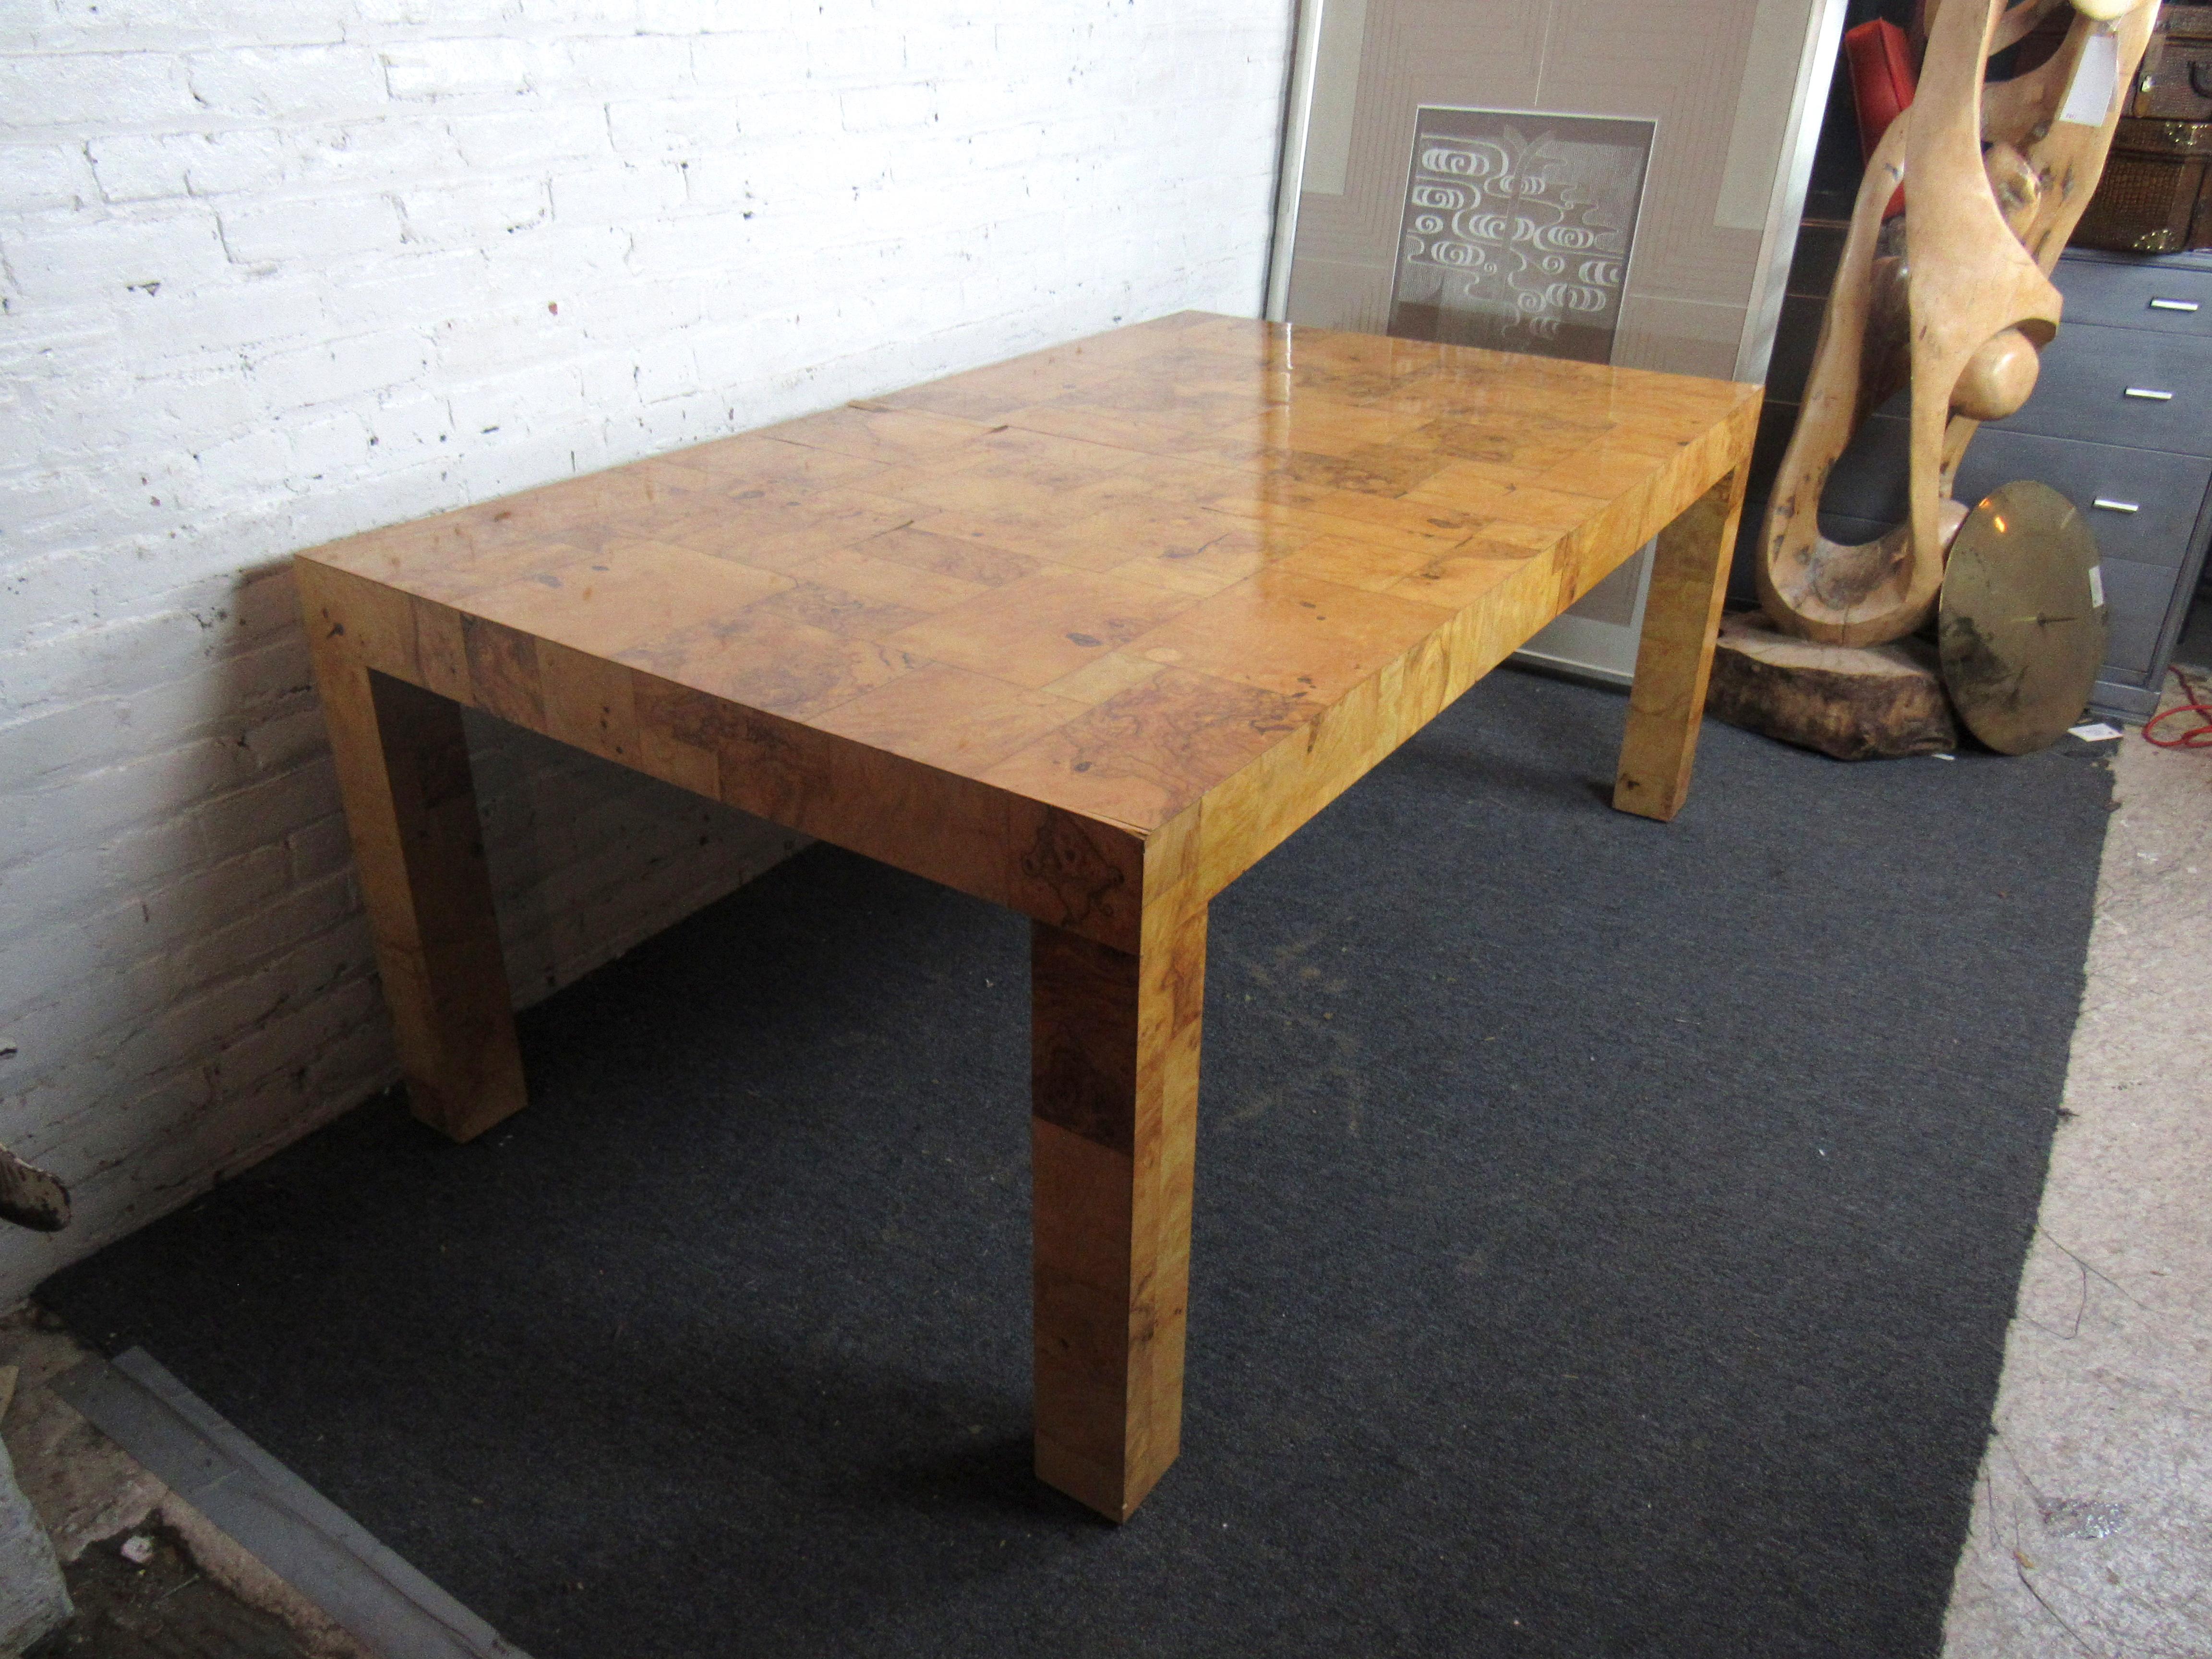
(2165, 490)
(2126, 296)
(2129, 387)
(2137, 600)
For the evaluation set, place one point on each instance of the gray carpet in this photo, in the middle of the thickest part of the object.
(1605, 1237)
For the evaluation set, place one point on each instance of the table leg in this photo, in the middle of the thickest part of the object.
(402, 765)
(1113, 1130)
(1674, 657)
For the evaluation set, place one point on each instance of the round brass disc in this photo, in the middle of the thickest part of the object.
(2022, 628)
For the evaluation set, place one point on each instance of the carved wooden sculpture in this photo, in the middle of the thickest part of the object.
(1995, 177)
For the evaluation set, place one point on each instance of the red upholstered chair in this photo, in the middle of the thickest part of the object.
(1882, 82)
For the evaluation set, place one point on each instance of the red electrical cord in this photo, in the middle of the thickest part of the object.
(2196, 737)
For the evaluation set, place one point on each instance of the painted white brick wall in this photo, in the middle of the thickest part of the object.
(272, 275)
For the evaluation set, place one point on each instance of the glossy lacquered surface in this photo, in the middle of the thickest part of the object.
(1106, 576)
(1083, 633)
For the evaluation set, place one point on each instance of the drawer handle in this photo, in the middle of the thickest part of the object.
(2111, 506)
(2151, 394)
(2173, 304)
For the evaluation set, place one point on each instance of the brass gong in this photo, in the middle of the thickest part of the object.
(2022, 628)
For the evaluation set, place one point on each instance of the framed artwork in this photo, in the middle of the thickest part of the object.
(1608, 180)
(1517, 229)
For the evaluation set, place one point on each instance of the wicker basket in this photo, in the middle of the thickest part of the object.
(2155, 196)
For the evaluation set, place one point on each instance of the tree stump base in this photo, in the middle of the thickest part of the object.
(1856, 703)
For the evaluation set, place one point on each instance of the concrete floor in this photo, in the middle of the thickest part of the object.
(2092, 1531)
(91, 1495)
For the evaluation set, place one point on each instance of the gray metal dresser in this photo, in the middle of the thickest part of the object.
(2120, 423)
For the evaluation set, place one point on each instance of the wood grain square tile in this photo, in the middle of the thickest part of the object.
(757, 458)
(628, 594)
(1464, 576)
(1229, 551)
(950, 717)
(1146, 528)
(1317, 426)
(1603, 471)
(776, 525)
(1108, 676)
(840, 612)
(590, 703)
(946, 546)
(893, 436)
(1006, 497)
(1467, 490)
(1294, 634)
(858, 571)
(1414, 527)
(1413, 514)
(1067, 418)
(1035, 630)
(1141, 756)
(1532, 443)
(1362, 564)
(1193, 480)
(1031, 461)
(756, 660)
(1374, 470)
(1043, 455)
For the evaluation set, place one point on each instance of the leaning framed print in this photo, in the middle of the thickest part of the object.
(1610, 180)
(1517, 229)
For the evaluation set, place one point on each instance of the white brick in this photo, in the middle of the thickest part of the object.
(89, 260)
(418, 283)
(447, 14)
(874, 108)
(491, 341)
(624, 66)
(469, 212)
(741, 212)
(579, 14)
(133, 167)
(692, 16)
(37, 175)
(319, 446)
(84, 90)
(532, 137)
(344, 368)
(672, 127)
(310, 228)
(511, 403)
(317, 81)
(410, 421)
(448, 68)
(394, 150)
(731, 64)
(617, 195)
(251, 460)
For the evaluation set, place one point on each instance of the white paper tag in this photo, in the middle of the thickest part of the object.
(2096, 77)
(2094, 732)
(2097, 585)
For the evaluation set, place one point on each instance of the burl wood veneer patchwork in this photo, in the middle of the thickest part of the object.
(1084, 634)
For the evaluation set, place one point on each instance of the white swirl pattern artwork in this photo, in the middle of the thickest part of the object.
(1517, 229)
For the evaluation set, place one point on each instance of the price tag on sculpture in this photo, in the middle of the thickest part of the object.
(2096, 77)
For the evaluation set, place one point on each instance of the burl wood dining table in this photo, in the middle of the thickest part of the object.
(1084, 634)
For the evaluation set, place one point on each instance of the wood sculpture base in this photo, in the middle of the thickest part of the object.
(1856, 703)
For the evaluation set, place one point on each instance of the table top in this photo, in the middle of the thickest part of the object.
(1107, 576)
